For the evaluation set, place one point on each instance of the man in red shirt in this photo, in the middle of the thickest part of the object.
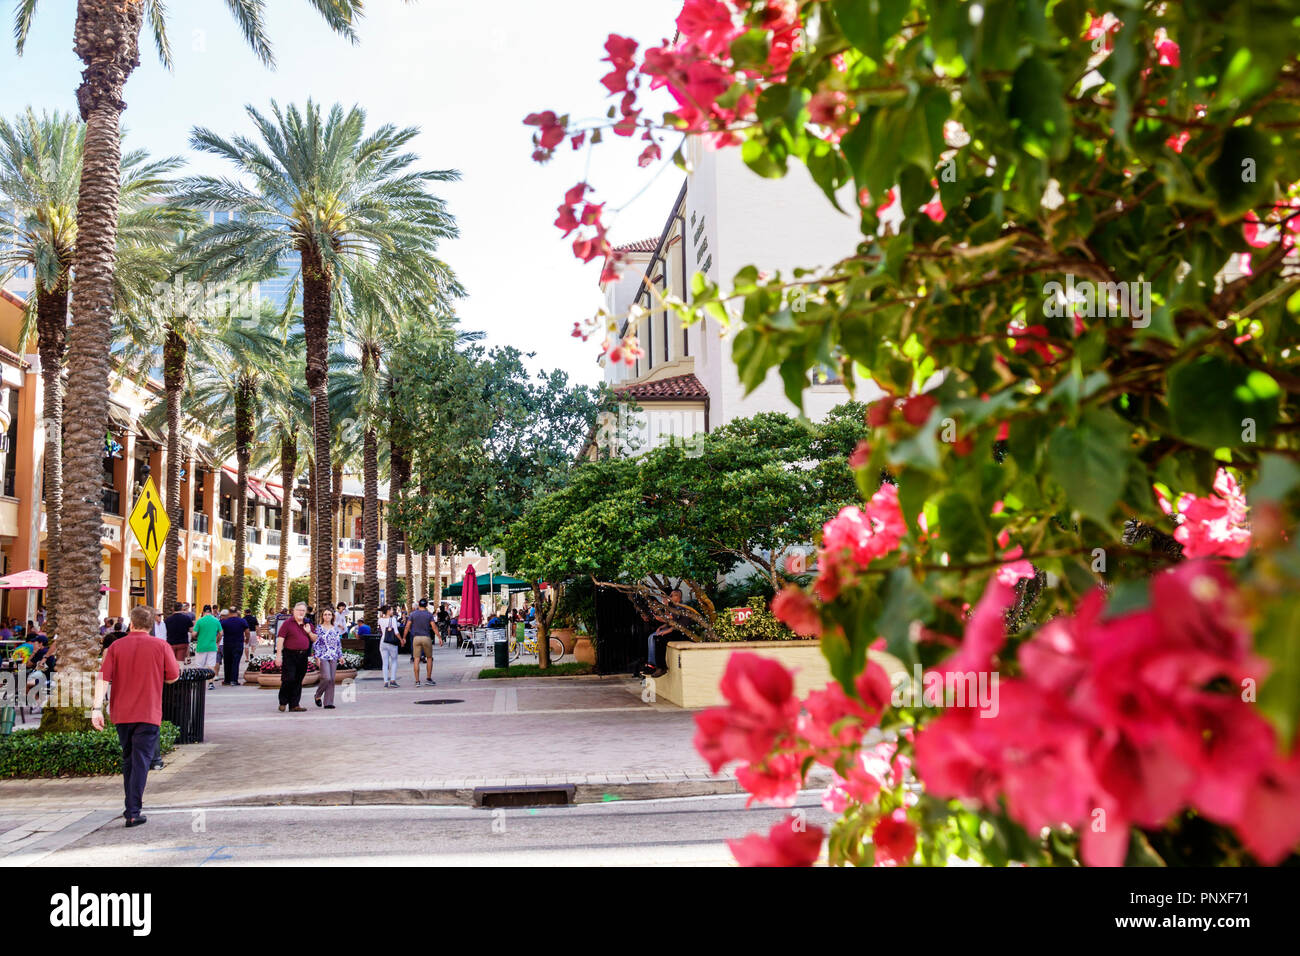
(137, 666)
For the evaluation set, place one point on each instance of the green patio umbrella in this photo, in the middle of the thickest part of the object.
(493, 584)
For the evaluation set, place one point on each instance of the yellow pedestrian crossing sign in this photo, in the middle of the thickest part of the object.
(150, 523)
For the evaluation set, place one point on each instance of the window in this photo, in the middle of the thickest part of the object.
(198, 490)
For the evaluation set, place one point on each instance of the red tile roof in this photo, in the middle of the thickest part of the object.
(676, 388)
(641, 245)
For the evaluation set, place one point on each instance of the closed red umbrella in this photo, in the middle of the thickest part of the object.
(471, 613)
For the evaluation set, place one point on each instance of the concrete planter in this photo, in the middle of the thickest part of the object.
(251, 677)
(268, 680)
(340, 676)
(695, 670)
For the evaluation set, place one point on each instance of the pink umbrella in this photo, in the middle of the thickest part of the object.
(26, 579)
(471, 614)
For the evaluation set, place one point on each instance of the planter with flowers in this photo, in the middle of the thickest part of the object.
(254, 668)
(348, 666)
(268, 675)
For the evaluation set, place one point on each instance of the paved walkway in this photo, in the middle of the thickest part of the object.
(422, 745)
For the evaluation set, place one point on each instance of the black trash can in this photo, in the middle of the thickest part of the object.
(501, 649)
(371, 659)
(184, 703)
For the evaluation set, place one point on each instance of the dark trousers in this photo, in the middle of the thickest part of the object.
(139, 744)
(293, 669)
(232, 654)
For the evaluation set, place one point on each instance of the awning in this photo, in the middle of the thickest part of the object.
(277, 492)
(256, 490)
(205, 455)
(119, 420)
(500, 582)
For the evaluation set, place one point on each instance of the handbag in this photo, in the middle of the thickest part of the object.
(390, 636)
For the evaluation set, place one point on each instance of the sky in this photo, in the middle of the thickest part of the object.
(464, 73)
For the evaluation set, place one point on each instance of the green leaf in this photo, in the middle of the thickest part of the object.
(1278, 639)
(1214, 403)
(1091, 463)
(903, 602)
(1241, 176)
(961, 525)
(869, 23)
(1037, 109)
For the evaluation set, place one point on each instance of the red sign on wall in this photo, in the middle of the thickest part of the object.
(739, 615)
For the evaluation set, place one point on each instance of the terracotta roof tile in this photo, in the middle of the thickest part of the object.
(676, 388)
(641, 245)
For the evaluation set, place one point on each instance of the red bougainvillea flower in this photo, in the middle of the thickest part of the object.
(830, 109)
(789, 843)
(620, 54)
(1032, 338)
(866, 534)
(860, 455)
(831, 719)
(1213, 526)
(761, 708)
(917, 409)
(709, 25)
(1101, 29)
(1256, 233)
(797, 611)
(894, 839)
(1180, 139)
(550, 133)
(775, 781)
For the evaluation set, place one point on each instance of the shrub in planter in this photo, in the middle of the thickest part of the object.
(761, 625)
(350, 661)
(83, 754)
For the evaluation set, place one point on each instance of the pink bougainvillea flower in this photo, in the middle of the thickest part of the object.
(709, 25)
(1101, 29)
(894, 838)
(1166, 49)
(934, 209)
(797, 611)
(861, 454)
(1033, 338)
(917, 409)
(775, 781)
(761, 708)
(1213, 526)
(985, 631)
(789, 843)
(649, 155)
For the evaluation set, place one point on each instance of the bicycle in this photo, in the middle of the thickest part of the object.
(529, 645)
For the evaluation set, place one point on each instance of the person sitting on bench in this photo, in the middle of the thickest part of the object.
(657, 642)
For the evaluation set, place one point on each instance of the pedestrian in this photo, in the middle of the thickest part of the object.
(233, 629)
(136, 667)
(292, 647)
(250, 637)
(206, 630)
(178, 632)
(329, 649)
(159, 626)
(390, 642)
(419, 628)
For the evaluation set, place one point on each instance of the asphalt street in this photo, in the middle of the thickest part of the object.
(668, 832)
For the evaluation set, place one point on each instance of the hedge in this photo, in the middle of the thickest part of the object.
(86, 754)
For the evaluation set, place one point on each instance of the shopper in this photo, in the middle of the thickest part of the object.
(292, 648)
(329, 649)
(206, 630)
(390, 643)
(136, 667)
(233, 628)
(419, 628)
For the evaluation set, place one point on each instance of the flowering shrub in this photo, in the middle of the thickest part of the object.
(257, 664)
(350, 661)
(1074, 288)
(760, 625)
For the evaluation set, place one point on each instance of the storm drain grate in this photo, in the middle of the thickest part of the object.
(441, 700)
(554, 796)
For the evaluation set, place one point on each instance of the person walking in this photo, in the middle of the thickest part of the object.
(292, 647)
(328, 648)
(250, 637)
(390, 642)
(178, 633)
(419, 628)
(233, 628)
(159, 626)
(136, 667)
(206, 630)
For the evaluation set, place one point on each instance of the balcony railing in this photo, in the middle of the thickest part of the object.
(304, 541)
(253, 535)
(200, 523)
(273, 539)
(228, 530)
(351, 544)
(112, 502)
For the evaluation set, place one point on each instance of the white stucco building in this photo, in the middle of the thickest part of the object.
(725, 217)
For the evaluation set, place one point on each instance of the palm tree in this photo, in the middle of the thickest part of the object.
(40, 169)
(107, 40)
(349, 206)
(223, 398)
(286, 401)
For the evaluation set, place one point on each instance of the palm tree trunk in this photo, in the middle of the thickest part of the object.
(52, 338)
(336, 520)
(400, 468)
(308, 513)
(244, 393)
(370, 524)
(316, 282)
(174, 354)
(288, 465)
(107, 39)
